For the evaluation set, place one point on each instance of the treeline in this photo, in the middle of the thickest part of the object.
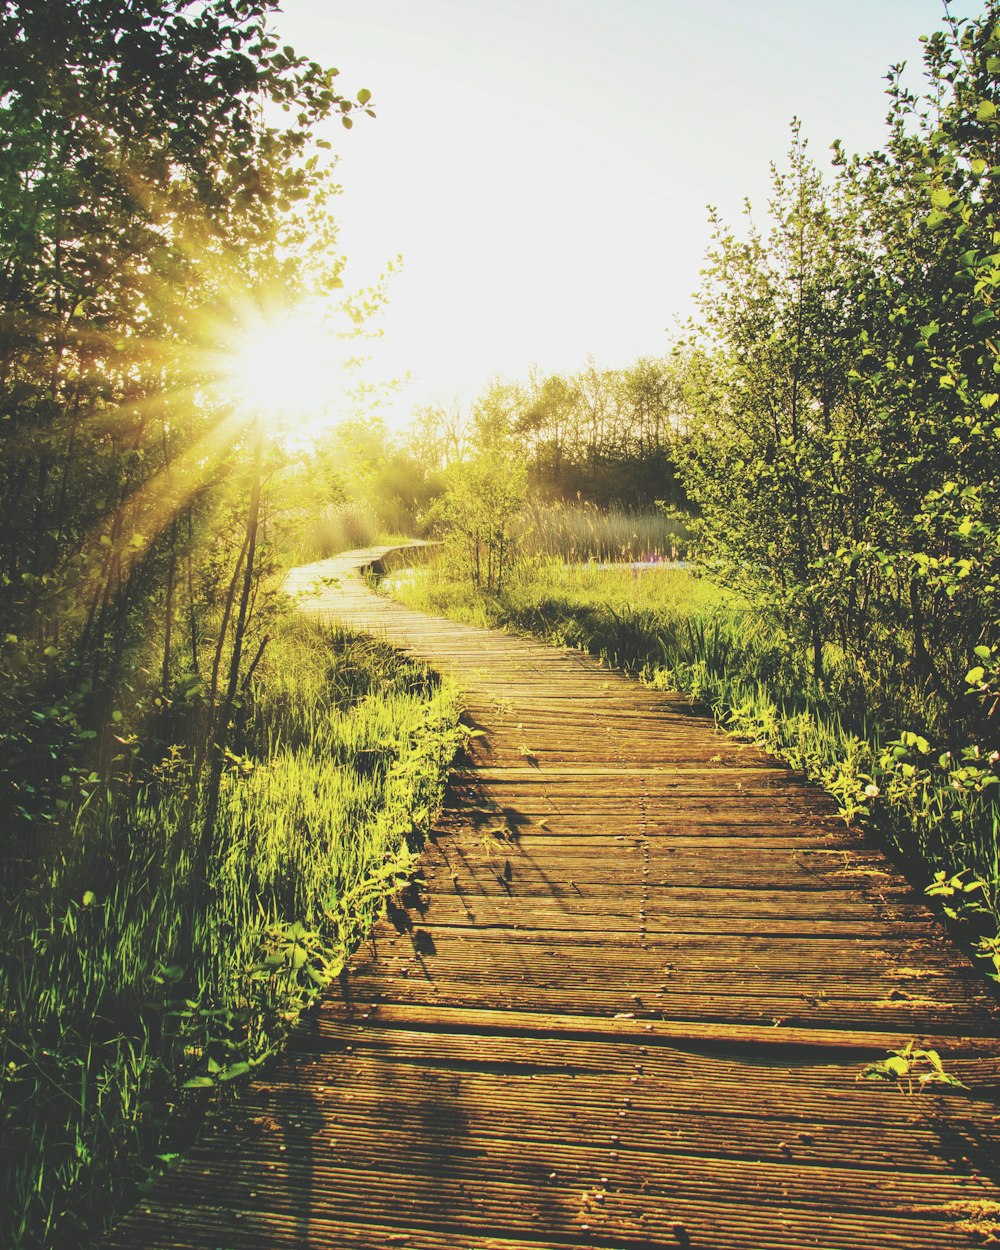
(842, 383)
(607, 436)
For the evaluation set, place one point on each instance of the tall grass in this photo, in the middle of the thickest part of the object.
(578, 532)
(867, 741)
(119, 1010)
(343, 526)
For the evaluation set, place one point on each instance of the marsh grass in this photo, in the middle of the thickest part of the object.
(118, 1019)
(344, 526)
(578, 532)
(870, 743)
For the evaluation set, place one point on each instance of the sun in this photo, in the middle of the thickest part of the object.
(286, 370)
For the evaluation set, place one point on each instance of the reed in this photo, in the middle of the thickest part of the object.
(581, 532)
(339, 527)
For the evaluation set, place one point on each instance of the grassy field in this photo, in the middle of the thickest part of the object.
(121, 1013)
(865, 741)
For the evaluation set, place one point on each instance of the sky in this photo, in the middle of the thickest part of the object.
(544, 167)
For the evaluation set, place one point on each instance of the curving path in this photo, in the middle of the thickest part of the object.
(624, 1006)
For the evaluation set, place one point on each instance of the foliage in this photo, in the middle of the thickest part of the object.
(484, 494)
(110, 1013)
(773, 458)
(845, 445)
(147, 211)
(911, 1067)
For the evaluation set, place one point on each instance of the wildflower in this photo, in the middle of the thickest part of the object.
(872, 790)
(994, 756)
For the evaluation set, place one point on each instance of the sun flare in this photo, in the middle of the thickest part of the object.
(287, 370)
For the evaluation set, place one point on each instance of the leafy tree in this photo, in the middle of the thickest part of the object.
(929, 361)
(485, 492)
(775, 459)
(147, 207)
(845, 447)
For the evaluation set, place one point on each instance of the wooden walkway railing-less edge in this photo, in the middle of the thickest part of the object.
(624, 1006)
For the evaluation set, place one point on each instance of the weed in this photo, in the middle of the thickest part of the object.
(912, 1068)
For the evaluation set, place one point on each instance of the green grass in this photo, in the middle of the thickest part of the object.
(117, 1020)
(865, 739)
(339, 527)
(577, 532)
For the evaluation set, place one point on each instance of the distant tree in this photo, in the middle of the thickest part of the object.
(484, 492)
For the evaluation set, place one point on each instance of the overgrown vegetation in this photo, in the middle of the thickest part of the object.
(120, 1000)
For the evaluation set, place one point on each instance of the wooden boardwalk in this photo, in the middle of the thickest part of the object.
(624, 1007)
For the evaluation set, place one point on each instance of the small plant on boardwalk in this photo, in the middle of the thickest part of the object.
(912, 1069)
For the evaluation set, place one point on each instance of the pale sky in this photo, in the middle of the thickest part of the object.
(544, 167)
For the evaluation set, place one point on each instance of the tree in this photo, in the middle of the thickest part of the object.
(146, 204)
(485, 492)
(845, 453)
(929, 362)
(776, 456)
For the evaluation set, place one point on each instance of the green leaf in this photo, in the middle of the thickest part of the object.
(199, 1082)
(233, 1071)
(986, 111)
